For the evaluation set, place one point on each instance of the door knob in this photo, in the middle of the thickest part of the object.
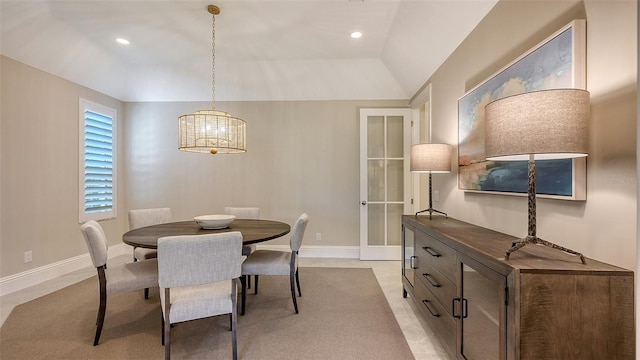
(364, 203)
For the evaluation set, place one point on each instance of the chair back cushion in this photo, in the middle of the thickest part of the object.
(243, 212)
(199, 259)
(298, 232)
(147, 217)
(96, 242)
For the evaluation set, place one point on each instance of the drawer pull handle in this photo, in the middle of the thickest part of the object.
(465, 310)
(431, 251)
(411, 263)
(429, 277)
(426, 304)
(453, 307)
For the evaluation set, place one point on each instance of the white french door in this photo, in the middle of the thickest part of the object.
(385, 184)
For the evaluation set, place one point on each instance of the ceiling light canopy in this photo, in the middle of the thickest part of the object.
(122, 41)
(212, 131)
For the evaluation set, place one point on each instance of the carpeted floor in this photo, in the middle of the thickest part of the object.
(343, 315)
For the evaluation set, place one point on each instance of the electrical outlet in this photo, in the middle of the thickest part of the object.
(436, 195)
(318, 236)
(28, 256)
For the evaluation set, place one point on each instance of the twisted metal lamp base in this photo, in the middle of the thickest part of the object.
(431, 210)
(536, 240)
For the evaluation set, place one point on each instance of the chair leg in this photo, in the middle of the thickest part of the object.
(243, 280)
(167, 324)
(255, 286)
(293, 291)
(234, 337)
(249, 282)
(102, 309)
(298, 283)
(234, 326)
(167, 341)
(101, 314)
(146, 290)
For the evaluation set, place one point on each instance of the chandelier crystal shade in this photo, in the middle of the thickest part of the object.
(206, 130)
(212, 131)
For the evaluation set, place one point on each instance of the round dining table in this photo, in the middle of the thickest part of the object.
(253, 231)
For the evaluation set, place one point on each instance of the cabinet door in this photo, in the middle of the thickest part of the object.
(480, 311)
(408, 256)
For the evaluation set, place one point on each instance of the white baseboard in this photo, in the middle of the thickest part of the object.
(41, 274)
(25, 279)
(319, 251)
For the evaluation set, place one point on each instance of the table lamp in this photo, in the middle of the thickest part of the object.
(430, 158)
(539, 125)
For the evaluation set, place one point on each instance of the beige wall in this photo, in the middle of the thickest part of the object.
(302, 156)
(40, 155)
(604, 226)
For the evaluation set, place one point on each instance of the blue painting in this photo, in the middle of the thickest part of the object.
(549, 66)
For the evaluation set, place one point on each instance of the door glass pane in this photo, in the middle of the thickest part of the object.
(481, 326)
(394, 137)
(394, 224)
(376, 224)
(375, 180)
(395, 180)
(375, 136)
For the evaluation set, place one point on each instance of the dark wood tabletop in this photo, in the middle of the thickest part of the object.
(253, 231)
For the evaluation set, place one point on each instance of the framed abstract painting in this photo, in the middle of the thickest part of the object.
(557, 62)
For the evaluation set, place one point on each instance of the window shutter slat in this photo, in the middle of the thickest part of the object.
(98, 163)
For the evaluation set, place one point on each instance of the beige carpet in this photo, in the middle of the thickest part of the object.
(343, 315)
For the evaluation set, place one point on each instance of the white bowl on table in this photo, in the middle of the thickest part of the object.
(212, 222)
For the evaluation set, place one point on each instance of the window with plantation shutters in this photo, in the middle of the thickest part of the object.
(97, 161)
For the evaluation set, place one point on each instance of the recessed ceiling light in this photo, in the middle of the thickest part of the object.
(122, 41)
(356, 34)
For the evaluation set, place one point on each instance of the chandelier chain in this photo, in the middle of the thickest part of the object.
(213, 62)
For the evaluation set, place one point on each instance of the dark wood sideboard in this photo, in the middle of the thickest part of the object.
(540, 304)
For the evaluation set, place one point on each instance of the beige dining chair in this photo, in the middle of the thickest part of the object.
(146, 217)
(116, 278)
(270, 262)
(245, 213)
(199, 278)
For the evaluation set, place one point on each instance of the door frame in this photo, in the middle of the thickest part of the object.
(383, 252)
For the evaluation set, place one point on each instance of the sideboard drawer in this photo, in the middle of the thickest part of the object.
(436, 315)
(441, 287)
(441, 256)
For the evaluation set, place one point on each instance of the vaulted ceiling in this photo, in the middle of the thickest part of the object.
(265, 50)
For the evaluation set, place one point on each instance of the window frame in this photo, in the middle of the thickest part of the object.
(86, 105)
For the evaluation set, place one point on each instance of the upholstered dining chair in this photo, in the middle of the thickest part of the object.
(270, 262)
(245, 213)
(116, 278)
(199, 278)
(146, 217)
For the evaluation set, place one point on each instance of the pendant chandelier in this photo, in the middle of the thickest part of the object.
(212, 131)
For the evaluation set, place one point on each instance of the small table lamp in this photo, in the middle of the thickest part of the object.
(539, 125)
(431, 158)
